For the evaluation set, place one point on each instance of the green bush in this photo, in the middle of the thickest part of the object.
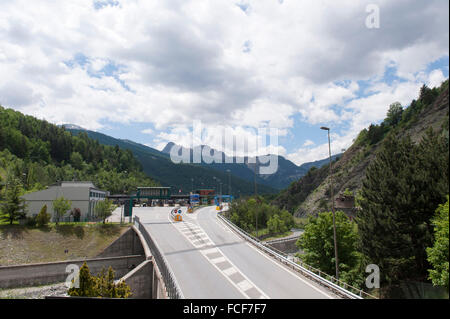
(101, 286)
(43, 218)
(276, 225)
(30, 221)
(317, 242)
(438, 253)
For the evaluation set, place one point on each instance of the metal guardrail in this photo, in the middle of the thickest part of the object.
(172, 288)
(281, 240)
(339, 287)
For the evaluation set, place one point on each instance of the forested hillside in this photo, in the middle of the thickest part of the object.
(244, 167)
(311, 194)
(39, 154)
(398, 171)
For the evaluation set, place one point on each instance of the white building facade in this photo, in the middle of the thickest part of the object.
(83, 195)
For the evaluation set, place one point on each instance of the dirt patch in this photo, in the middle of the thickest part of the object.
(22, 245)
(34, 292)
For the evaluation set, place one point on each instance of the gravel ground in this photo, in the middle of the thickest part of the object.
(34, 292)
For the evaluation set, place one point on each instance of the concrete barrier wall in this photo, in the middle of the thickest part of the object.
(129, 256)
(286, 246)
(159, 288)
(55, 272)
(127, 244)
(140, 280)
(151, 287)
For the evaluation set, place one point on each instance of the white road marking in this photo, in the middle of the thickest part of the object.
(249, 284)
(230, 271)
(244, 285)
(210, 251)
(218, 260)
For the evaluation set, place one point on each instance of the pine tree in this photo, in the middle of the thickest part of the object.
(87, 284)
(101, 286)
(43, 218)
(13, 206)
(402, 187)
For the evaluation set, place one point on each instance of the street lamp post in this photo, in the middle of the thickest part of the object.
(332, 205)
(229, 182)
(256, 199)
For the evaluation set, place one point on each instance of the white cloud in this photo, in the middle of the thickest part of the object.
(170, 62)
(308, 143)
(148, 131)
(367, 110)
(435, 78)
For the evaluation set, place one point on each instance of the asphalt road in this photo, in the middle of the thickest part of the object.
(210, 261)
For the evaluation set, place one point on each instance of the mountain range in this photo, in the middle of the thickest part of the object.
(158, 165)
(244, 167)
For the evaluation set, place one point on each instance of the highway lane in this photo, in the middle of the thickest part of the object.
(276, 280)
(210, 261)
(195, 275)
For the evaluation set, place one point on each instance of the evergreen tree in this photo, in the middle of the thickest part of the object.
(394, 114)
(43, 218)
(87, 283)
(101, 286)
(13, 206)
(44, 151)
(400, 186)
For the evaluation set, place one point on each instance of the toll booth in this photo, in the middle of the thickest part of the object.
(149, 193)
(153, 192)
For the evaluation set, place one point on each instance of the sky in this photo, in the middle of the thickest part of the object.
(146, 70)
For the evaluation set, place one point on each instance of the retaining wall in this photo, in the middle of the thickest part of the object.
(129, 256)
(55, 272)
(140, 280)
(128, 243)
(287, 246)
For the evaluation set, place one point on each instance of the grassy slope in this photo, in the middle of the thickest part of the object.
(24, 245)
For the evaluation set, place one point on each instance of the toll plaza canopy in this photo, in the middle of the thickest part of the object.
(146, 193)
(153, 192)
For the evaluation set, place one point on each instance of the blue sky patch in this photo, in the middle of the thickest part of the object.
(98, 4)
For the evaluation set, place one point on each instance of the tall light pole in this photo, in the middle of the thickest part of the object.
(256, 190)
(332, 205)
(256, 199)
(229, 182)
